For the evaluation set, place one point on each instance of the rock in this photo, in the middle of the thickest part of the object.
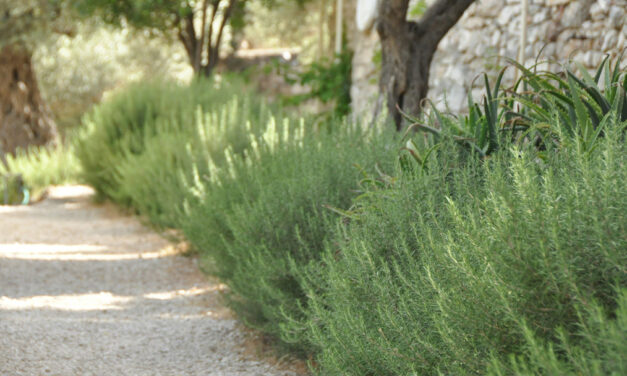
(480, 47)
(589, 58)
(511, 50)
(529, 52)
(553, 3)
(616, 17)
(366, 14)
(506, 15)
(513, 28)
(565, 36)
(576, 13)
(604, 4)
(489, 8)
(596, 12)
(610, 40)
(538, 33)
(465, 40)
(549, 50)
(539, 17)
(620, 41)
(456, 73)
(474, 23)
(456, 98)
(495, 39)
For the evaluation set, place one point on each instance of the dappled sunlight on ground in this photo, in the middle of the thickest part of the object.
(80, 252)
(167, 295)
(84, 302)
(86, 290)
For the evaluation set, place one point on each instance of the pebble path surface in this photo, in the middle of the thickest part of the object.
(85, 290)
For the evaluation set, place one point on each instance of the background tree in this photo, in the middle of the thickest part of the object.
(24, 118)
(198, 24)
(407, 48)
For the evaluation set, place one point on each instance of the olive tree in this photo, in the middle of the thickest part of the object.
(25, 119)
(198, 24)
(407, 48)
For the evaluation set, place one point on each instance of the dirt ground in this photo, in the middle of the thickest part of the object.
(85, 290)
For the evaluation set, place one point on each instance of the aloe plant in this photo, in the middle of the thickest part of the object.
(550, 106)
(564, 102)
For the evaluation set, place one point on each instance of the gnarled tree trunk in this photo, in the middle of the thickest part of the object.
(24, 118)
(407, 49)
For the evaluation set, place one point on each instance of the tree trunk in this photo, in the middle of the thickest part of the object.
(407, 49)
(24, 118)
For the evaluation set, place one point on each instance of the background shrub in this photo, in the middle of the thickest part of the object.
(265, 217)
(41, 167)
(141, 144)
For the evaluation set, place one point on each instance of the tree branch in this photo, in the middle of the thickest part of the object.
(186, 43)
(213, 60)
(199, 51)
(191, 31)
(393, 11)
(440, 17)
(214, 12)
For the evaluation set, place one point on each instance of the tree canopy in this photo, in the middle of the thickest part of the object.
(27, 21)
(198, 24)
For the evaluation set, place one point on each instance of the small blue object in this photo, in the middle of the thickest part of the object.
(26, 194)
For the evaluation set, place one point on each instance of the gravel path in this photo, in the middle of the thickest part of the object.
(87, 291)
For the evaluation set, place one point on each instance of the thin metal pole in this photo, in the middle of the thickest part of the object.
(523, 34)
(338, 26)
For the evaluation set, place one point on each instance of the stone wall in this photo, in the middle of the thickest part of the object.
(489, 31)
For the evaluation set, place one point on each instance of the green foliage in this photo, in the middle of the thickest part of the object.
(142, 145)
(329, 82)
(264, 218)
(12, 190)
(467, 261)
(599, 347)
(181, 160)
(418, 9)
(155, 14)
(75, 72)
(495, 246)
(548, 107)
(30, 21)
(198, 24)
(568, 104)
(41, 167)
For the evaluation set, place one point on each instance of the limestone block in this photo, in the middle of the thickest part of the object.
(507, 15)
(513, 28)
(456, 98)
(539, 16)
(610, 40)
(489, 8)
(495, 38)
(549, 50)
(366, 14)
(604, 4)
(474, 23)
(576, 13)
(568, 49)
(553, 3)
(616, 16)
(620, 42)
(456, 73)
(538, 33)
(465, 40)
(511, 50)
(596, 12)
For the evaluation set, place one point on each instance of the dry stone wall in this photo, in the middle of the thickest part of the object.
(489, 32)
